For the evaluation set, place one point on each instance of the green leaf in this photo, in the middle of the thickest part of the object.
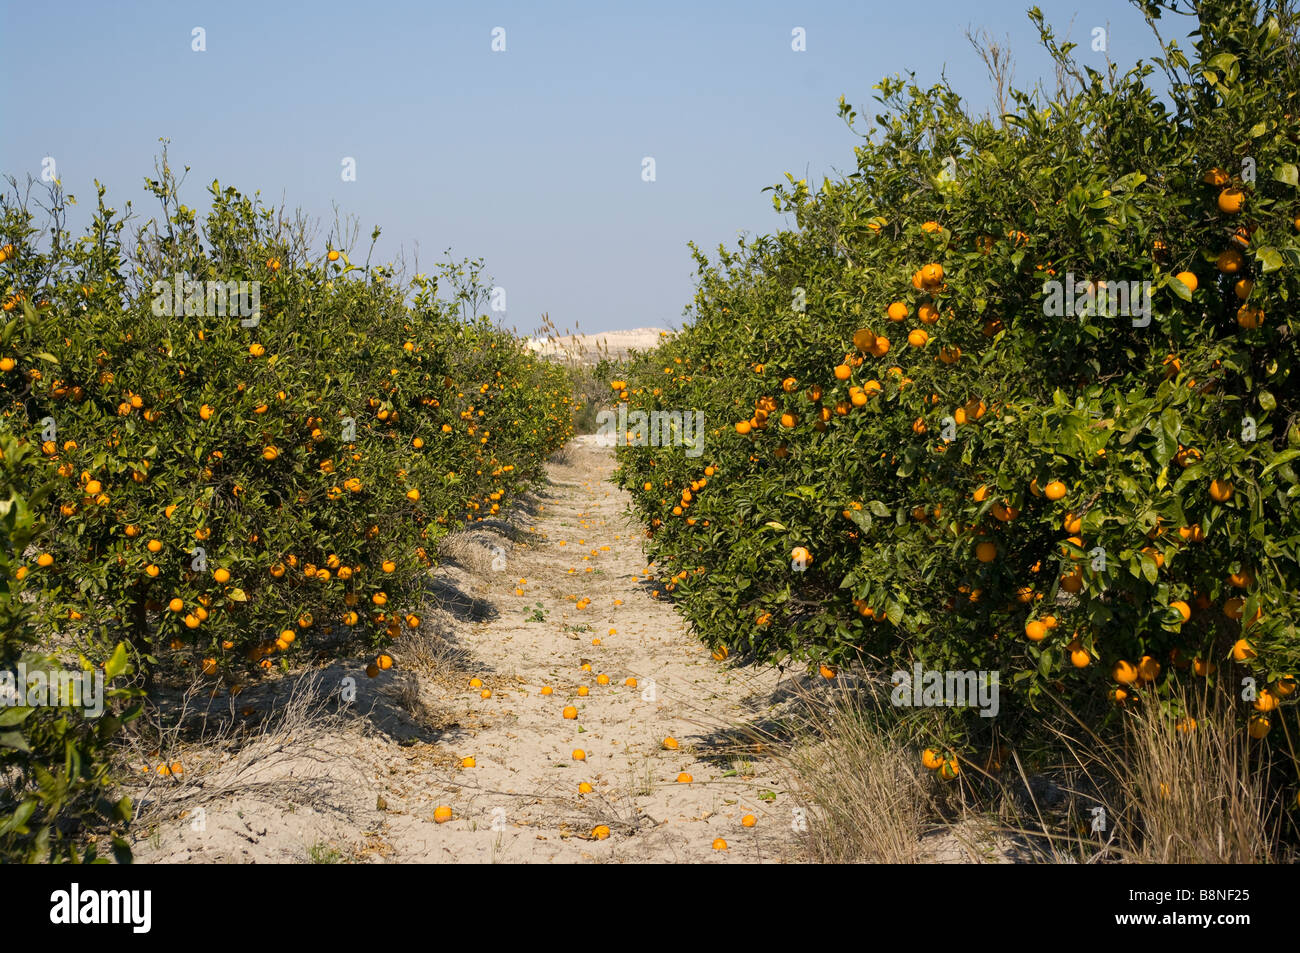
(879, 509)
(14, 739)
(1269, 257)
(15, 715)
(116, 664)
(862, 519)
(237, 595)
(1286, 456)
(18, 820)
(1288, 174)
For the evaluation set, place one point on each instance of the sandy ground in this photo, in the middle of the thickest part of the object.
(362, 782)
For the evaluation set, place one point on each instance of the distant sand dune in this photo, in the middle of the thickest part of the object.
(589, 348)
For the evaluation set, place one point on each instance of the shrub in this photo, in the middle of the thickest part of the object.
(234, 488)
(890, 388)
(54, 761)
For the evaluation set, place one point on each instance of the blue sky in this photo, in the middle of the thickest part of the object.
(529, 158)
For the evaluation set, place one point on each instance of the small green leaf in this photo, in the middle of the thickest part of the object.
(116, 664)
(14, 716)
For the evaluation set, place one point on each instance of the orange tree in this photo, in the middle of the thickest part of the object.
(233, 487)
(55, 759)
(917, 451)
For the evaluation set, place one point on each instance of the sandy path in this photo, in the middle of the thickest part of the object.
(366, 787)
(580, 544)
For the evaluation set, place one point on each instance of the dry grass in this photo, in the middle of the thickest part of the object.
(852, 766)
(1156, 793)
(1152, 794)
(1193, 796)
(226, 756)
(428, 652)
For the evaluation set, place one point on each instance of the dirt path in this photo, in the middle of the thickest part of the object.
(376, 791)
(582, 546)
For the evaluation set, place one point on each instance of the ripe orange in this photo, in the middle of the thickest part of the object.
(1079, 658)
(931, 759)
(600, 831)
(842, 372)
(630, 682)
(950, 769)
(1258, 726)
(602, 679)
(1249, 317)
(1230, 261)
(864, 340)
(468, 762)
(372, 670)
(546, 690)
(917, 337)
(1124, 672)
(932, 274)
(1036, 631)
(1231, 201)
(1243, 650)
(1054, 490)
(1266, 701)
(684, 778)
(1183, 608)
(1221, 490)
(670, 743)
(579, 754)
(442, 815)
(897, 311)
(570, 712)
(584, 788)
(1148, 669)
(986, 552)
(583, 691)
(719, 844)
(749, 820)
